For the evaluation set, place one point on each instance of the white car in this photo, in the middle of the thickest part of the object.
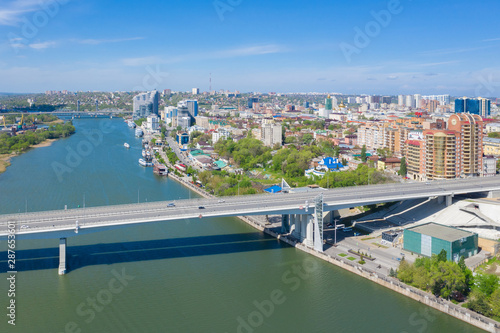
(222, 200)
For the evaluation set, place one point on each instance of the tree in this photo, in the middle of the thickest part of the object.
(402, 167)
(363, 154)
(336, 151)
(487, 283)
(307, 138)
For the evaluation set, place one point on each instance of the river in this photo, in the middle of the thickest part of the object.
(200, 275)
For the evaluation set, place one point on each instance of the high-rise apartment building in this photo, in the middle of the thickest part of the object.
(441, 154)
(401, 100)
(470, 128)
(410, 101)
(195, 91)
(479, 106)
(145, 104)
(271, 133)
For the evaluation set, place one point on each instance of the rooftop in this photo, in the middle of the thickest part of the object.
(446, 233)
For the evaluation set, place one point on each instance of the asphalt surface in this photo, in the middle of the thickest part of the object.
(262, 204)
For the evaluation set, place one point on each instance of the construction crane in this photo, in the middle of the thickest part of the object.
(21, 123)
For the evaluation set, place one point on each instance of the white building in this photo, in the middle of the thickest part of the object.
(221, 133)
(196, 91)
(490, 166)
(401, 100)
(410, 101)
(145, 104)
(493, 127)
(153, 122)
(271, 133)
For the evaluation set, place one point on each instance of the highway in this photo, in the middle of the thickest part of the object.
(59, 223)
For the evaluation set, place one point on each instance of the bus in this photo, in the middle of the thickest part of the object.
(347, 229)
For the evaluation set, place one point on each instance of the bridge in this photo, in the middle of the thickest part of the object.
(302, 213)
(72, 113)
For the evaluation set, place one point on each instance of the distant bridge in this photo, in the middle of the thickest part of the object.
(302, 213)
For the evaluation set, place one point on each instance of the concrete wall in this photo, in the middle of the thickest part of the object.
(489, 245)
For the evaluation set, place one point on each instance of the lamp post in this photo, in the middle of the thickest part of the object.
(335, 242)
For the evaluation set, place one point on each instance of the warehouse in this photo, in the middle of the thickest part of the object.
(431, 238)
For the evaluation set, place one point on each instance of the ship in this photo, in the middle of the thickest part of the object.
(126, 145)
(138, 132)
(145, 163)
(131, 124)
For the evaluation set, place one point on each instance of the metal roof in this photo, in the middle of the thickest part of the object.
(446, 233)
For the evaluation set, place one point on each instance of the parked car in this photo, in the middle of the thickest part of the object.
(222, 200)
(171, 204)
(201, 207)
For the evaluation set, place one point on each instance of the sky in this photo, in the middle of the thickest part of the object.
(351, 47)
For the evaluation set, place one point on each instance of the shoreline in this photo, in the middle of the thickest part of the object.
(5, 159)
(393, 284)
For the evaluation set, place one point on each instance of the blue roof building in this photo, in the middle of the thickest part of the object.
(329, 164)
(273, 189)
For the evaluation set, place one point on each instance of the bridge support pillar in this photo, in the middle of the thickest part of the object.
(303, 227)
(285, 223)
(62, 256)
(440, 200)
(493, 194)
(309, 241)
(449, 200)
(295, 220)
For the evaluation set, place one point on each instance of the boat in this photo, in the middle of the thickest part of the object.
(126, 145)
(138, 132)
(144, 163)
(131, 124)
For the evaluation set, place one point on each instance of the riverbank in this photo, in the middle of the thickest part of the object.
(5, 161)
(428, 299)
(5, 158)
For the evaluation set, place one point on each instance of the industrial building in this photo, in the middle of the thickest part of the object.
(431, 238)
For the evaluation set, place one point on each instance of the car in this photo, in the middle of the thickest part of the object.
(171, 204)
(222, 200)
(201, 207)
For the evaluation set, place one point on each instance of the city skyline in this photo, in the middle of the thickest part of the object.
(382, 47)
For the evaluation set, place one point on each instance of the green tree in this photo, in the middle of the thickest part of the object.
(402, 167)
(363, 154)
(487, 283)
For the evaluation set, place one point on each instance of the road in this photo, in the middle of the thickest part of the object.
(262, 204)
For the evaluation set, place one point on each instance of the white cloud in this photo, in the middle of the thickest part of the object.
(103, 41)
(11, 12)
(491, 40)
(219, 54)
(42, 46)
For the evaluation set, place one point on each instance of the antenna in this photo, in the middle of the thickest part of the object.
(210, 87)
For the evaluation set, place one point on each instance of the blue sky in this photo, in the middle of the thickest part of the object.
(416, 46)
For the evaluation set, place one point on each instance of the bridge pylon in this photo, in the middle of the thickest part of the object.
(62, 256)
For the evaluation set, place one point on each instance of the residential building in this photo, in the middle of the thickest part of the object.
(415, 159)
(490, 166)
(145, 104)
(441, 154)
(470, 128)
(271, 133)
(491, 146)
(153, 122)
(480, 106)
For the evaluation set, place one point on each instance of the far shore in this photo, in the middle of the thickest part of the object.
(5, 158)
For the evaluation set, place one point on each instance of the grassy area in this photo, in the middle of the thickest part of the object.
(4, 162)
(367, 238)
(343, 255)
(382, 246)
(351, 258)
